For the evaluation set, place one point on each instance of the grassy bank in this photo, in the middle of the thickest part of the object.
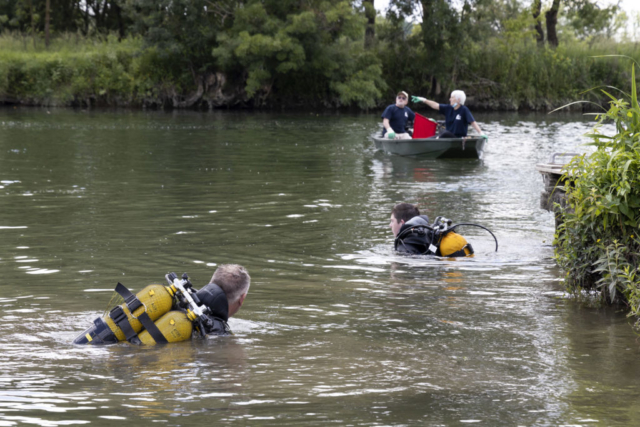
(77, 71)
(498, 74)
(516, 76)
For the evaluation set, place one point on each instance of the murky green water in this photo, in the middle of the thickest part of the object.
(337, 329)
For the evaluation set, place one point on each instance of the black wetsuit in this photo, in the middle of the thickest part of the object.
(416, 241)
(214, 297)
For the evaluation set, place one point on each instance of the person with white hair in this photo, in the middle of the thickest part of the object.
(457, 115)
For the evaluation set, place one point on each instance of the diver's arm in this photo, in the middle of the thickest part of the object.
(387, 126)
(476, 127)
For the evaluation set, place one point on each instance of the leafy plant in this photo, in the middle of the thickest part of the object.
(598, 245)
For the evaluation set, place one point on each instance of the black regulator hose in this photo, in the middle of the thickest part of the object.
(479, 226)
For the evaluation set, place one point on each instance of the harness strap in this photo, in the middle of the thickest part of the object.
(151, 327)
(102, 334)
(121, 320)
(134, 303)
(434, 247)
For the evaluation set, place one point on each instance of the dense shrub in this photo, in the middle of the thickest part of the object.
(598, 244)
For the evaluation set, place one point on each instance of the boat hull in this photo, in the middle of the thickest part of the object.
(456, 148)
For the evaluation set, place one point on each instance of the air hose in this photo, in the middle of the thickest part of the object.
(479, 226)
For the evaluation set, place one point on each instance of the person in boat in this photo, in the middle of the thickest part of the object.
(457, 115)
(172, 313)
(396, 117)
(414, 235)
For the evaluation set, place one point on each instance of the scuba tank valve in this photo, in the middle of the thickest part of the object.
(189, 300)
(184, 290)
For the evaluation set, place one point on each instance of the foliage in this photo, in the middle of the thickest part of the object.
(445, 33)
(84, 16)
(107, 72)
(588, 19)
(598, 244)
(314, 52)
(182, 32)
(501, 66)
(268, 53)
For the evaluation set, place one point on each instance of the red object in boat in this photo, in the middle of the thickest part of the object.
(423, 127)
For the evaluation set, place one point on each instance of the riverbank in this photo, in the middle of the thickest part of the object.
(110, 73)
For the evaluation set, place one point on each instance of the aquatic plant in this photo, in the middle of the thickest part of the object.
(597, 244)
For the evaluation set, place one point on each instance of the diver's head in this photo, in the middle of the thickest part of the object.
(234, 280)
(401, 213)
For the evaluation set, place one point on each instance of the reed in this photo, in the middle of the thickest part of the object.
(522, 75)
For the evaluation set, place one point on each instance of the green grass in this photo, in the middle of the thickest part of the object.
(523, 75)
(70, 71)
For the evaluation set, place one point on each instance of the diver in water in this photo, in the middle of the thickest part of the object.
(403, 216)
(234, 281)
(414, 235)
(162, 314)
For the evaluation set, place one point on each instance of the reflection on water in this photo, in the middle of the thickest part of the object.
(337, 327)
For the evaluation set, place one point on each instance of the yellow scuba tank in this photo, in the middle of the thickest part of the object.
(153, 321)
(454, 245)
(156, 300)
(175, 326)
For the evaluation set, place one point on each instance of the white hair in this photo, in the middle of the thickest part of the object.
(459, 95)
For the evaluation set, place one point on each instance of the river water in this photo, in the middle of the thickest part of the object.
(337, 328)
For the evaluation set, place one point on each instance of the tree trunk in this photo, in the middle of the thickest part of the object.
(121, 29)
(46, 23)
(537, 10)
(33, 24)
(552, 21)
(85, 17)
(370, 31)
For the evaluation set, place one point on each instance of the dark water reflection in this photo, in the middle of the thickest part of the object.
(337, 328)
